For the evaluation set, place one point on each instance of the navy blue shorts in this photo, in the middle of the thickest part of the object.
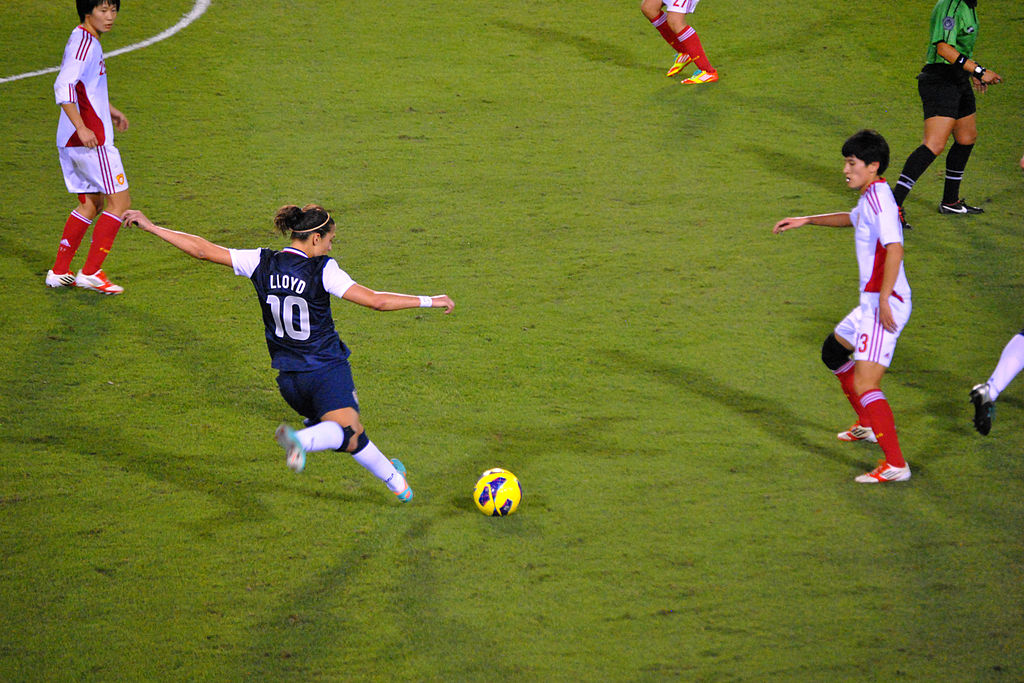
(315, 393)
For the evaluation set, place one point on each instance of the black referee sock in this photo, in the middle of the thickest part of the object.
(917, 163)
(956, 162)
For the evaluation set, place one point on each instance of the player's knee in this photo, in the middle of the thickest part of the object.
(354, 440)
(90, 205)
(833, 354)
(677, 22)
(966, 139)
(650, 8)
(935, 144)
(361, 440)
(119, 203)
(863, 385)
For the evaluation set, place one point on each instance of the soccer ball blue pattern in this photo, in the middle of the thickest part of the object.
(497, 492)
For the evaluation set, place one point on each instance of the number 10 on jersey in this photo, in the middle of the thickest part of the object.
(291, 317)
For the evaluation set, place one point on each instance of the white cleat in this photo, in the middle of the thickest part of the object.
(858, 433)
(884, 473)
(97, 282)
(59, 279)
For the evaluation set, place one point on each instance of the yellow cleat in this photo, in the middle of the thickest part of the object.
(709, 76)
(682, 59)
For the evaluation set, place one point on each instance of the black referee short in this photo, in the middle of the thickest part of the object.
(945, 92)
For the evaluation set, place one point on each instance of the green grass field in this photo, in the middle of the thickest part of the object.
(629, 338)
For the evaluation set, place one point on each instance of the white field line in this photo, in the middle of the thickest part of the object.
(197, 11)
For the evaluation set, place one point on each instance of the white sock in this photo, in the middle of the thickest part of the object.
(372, 459)
(1010, 363)
(325, 436)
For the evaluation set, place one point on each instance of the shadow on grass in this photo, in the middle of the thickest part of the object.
(593, 50)
(765, 412)
(37, 257)
(801, 168)
(60, 399)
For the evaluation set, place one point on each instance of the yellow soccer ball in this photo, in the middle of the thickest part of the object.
(497, 492)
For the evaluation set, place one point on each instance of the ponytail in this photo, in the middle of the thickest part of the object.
(301, 223)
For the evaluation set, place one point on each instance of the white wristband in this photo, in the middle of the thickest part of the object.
(426, 302)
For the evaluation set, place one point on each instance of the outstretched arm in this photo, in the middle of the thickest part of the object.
(388, 301)
(193, 245)
(836, 220)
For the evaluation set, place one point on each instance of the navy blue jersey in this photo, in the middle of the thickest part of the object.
(297, 311)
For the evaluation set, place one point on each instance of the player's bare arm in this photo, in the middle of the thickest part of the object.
(835, 220)
(193, 245)
(119, 120)
(389, 301)
(87, 137)
(891, 270)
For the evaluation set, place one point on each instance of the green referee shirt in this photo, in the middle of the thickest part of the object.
(955, 23)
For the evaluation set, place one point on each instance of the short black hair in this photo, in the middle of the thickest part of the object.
(87, 6)
(869, 146)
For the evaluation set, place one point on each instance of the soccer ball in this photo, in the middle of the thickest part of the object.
(497, 492)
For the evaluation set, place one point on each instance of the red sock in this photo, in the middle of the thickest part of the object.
(877, 408)
(661, 23)
(690, 43)
(74, 231)
(102, 240)
(845, 377)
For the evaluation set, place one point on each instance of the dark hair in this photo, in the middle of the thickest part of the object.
(303, 223)
(869, 146)
(87, 6)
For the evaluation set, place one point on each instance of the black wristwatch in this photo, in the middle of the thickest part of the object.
(979, 71)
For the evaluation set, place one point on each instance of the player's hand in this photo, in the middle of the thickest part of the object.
(88, 138)
(443, 301)
(118, 118)
(978, 86)
(885, 316)
(136, 217)
(788, 224)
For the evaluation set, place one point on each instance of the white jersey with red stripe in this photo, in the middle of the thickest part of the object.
(83, 81)
(876, 224)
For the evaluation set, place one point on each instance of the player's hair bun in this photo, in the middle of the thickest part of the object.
(287, 218)
(291, 219)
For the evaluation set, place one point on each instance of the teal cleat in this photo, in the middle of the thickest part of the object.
(405, 495)
(295, 454)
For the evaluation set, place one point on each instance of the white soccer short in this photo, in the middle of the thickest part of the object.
(863, 330)
(681, 6)
(88, 171)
